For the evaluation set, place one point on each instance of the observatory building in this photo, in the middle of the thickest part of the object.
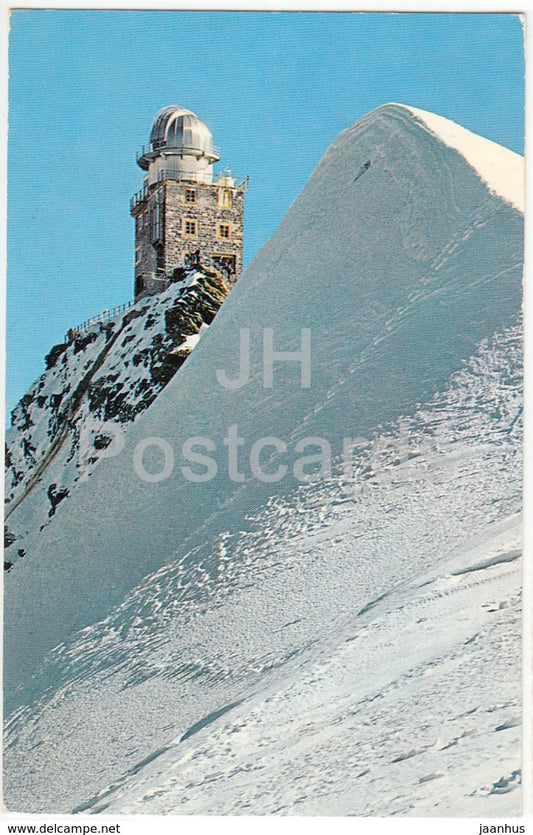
(183, 216)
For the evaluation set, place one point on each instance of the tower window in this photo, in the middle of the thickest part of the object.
(224, 231)
(160, 257)
(225, 262)
(225, 198)
(156, 222)
(190, 195)
(138, 254)
(189, 228)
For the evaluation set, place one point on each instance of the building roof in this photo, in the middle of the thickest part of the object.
(174, 127)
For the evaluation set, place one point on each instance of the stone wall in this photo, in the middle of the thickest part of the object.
(214, 205)
(145, 254)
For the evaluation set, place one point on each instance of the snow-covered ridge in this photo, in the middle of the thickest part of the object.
(399, 267)
(501, 169)
(148, 619)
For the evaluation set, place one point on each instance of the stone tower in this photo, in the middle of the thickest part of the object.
(183, 217)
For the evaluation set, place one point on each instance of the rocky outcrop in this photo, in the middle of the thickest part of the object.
(112, 372)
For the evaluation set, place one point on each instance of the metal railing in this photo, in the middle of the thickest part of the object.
(154, 147)
(101, 319)
(140, 197)
(243, 185)
(152, 284)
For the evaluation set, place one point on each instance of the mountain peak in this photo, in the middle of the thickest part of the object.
(500, 168)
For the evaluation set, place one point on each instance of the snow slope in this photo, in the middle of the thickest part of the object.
(174, 600)
(348, 643)
(362, 725)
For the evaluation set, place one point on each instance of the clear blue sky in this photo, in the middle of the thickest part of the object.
(275, 89)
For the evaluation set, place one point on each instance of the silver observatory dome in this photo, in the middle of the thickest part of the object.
(176, 130)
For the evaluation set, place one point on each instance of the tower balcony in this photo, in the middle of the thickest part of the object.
(140, 197)
(241, 184)
(149, 152)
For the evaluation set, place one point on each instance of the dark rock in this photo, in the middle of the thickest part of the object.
(102, 441)
(28, 450)
(55, 400)
(81, 342)
(9, 538)
(133, 314)
(52, 357)
(55, 496)
(179, 274)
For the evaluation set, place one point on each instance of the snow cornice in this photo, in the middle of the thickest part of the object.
(501, 169)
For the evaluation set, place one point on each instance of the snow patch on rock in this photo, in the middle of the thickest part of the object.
(111, 372)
